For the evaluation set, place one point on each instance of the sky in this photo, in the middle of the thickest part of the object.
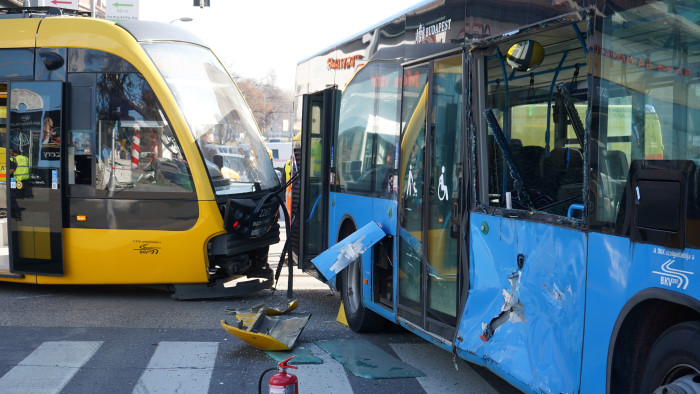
(255, 38)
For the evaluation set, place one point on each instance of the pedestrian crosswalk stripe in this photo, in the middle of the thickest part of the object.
(441, 376)
(329, 377)
(48, 368)
(188, 367)
(183, 367)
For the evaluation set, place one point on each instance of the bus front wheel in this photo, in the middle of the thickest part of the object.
(674, 361)
(360, 319)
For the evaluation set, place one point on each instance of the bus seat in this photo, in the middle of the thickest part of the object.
(529, 160)
(565, 164)
(563, 172)
(352, 169)
(617, 164)
(516, 144)
(384, 175)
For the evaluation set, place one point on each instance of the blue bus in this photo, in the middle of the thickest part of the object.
(515, 182)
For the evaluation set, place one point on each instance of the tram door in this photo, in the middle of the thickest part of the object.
(34, 137)
(318, 121)
(432, 157)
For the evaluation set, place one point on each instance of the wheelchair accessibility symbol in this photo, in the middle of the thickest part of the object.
(443, 193)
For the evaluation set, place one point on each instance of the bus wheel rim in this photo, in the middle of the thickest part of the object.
(353, 286)
(677, 372)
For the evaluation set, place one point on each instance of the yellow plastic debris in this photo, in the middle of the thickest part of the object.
(247, 317)
(341, 315)
(265, 330)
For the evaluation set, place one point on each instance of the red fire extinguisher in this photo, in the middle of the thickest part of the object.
(283, 382)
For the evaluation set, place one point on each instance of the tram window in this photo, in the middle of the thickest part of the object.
(80, 152)
(136, 150)
(546, 153)
(17, 63)
(91, 60)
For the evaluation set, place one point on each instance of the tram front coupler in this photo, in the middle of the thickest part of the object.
(251, 227)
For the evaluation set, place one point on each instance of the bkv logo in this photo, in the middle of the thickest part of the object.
(672, 276)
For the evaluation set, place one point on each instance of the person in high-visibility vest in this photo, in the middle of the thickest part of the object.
(316, 158)
(21, 173)
(287, 177)
(14, 207)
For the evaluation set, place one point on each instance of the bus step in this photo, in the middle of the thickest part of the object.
(198, 291)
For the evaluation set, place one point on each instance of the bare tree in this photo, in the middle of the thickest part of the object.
(269, 103)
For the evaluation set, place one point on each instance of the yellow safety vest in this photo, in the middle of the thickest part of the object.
(316, 159)
(22, 171)
(3, 170)
(288, 192)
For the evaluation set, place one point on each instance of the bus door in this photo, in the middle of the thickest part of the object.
(34, 190)
(430, 270)
(318, 120)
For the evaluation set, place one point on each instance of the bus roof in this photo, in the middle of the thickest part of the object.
(366, 30)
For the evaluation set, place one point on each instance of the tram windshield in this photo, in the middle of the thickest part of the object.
(217, 116)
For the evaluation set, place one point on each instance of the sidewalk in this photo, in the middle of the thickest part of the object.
(301, 281)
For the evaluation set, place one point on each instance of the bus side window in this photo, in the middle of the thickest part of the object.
(368, 132)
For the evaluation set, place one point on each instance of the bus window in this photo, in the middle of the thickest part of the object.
(368, 131)
(3, 158)
(411, 213)
(546, 152)
(136, 150)
(648, 114)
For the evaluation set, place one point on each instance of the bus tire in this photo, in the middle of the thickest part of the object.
(360, 319)
(675, 357)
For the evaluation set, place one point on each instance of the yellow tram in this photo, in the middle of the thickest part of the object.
(132, 158)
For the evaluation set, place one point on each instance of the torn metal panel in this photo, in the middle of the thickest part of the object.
(512, 310)
(335, 259)
(533, 305)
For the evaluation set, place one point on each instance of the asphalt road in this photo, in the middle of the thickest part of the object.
(124, 339)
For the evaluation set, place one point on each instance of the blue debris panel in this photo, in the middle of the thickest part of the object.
(340, 255)
(366, 360)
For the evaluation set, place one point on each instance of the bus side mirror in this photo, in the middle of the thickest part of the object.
(219, 160)
(525, 55)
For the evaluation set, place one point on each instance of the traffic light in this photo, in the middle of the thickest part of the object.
(201, 3)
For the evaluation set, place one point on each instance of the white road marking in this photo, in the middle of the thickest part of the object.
(441, 376)
(329, 377)
(48, 368)
(179, 367)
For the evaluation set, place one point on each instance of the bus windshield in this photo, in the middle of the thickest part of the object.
(218, 117)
